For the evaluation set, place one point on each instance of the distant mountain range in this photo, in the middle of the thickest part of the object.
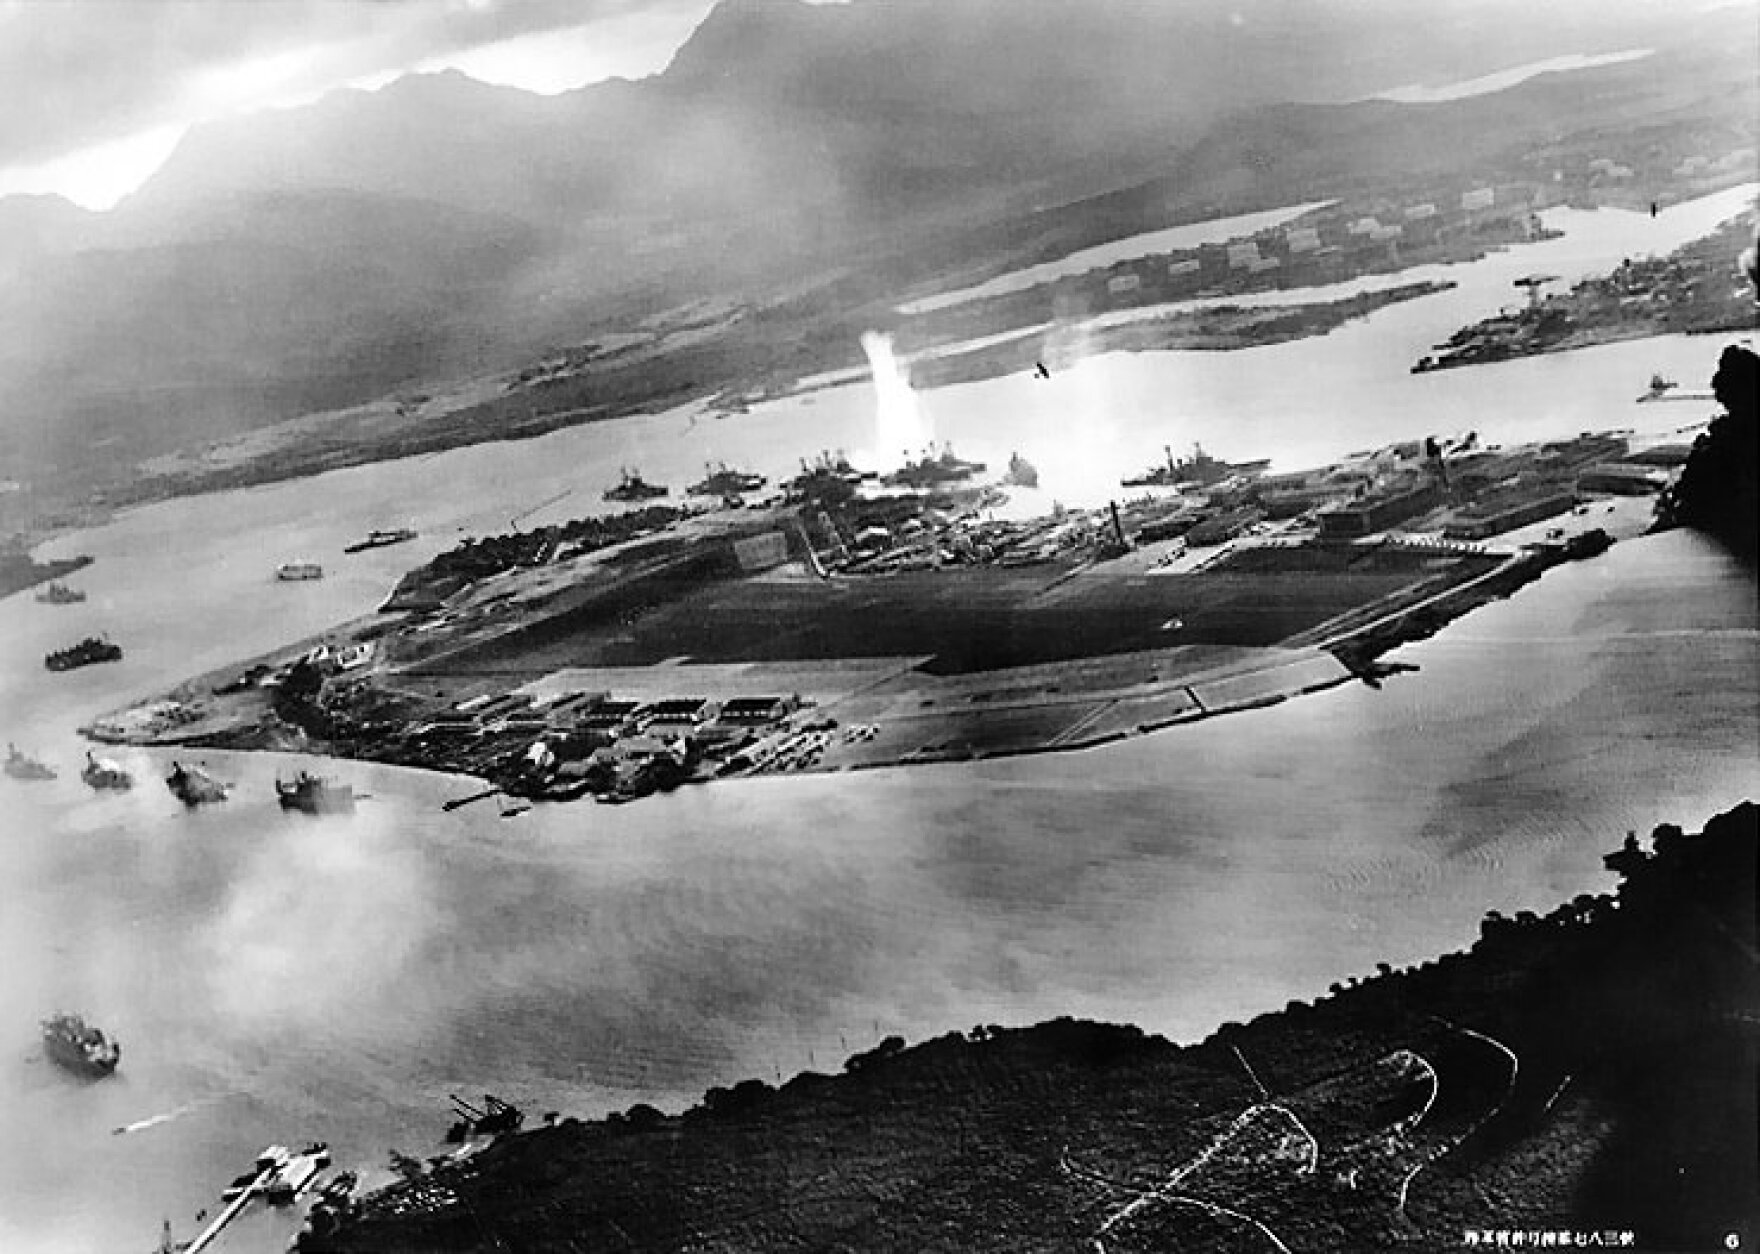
(319, 256)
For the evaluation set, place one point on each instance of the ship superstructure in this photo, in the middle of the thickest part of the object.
(313, 794)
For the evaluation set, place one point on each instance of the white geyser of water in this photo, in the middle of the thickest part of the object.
(901, 430)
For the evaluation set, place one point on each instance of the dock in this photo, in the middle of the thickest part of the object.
(212, 1232)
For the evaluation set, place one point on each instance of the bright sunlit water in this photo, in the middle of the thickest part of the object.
(275, 978)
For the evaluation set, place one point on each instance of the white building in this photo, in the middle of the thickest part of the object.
(1243, 256)
(1303, 239)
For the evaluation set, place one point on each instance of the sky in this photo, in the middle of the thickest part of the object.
(95, 94)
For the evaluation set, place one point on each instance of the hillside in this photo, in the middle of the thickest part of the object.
(820, 159)
(1567, 1072)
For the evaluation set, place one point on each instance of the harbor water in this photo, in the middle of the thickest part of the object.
(279, 978)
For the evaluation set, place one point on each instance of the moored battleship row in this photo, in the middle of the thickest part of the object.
(192, 785)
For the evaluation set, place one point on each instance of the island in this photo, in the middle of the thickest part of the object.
(854, 620)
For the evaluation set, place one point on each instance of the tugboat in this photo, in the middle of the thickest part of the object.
(102, 774)
(632, 487)
(295, 572)
(1021, 472)
(723, 481)
(380, 539)
(82, 1049)
(23, 766)
(315, 795)
(58, 593)
(88, 652)
(933, 470)
(194, 786)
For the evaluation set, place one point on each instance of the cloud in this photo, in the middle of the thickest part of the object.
(75, 75)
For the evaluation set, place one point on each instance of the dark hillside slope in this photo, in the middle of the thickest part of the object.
(1589, 1070)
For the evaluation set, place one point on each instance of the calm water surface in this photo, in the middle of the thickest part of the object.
(275, 978)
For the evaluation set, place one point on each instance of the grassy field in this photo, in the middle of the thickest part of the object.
(969, 620)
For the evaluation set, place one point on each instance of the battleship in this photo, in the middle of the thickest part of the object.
(194, 786)
(58, 593)
(313, 794)
(103, 773)
(88, 652)
(1021, 472)
(1198, 470)
(828, 479)
(82, 1049)
(381, 539)
(934, 470)
(632, 487)
(724, 481)
(23, 766)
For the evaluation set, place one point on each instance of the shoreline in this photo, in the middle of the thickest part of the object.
(1324, 657)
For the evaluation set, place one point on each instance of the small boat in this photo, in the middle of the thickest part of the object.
(58, 593)
(315, 795)
(380, 539)
(194, 786)
(103, 773)
(23, 766)
(295, 572)
(74, 1044)
(88, 652)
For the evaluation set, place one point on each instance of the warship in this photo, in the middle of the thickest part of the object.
(1198, 470)
(82, 1049)
(23, 766)
(315, 795)
(632, 487)
(58, 593)
(933, 470)
(723, 481)
(102, 773)
(194, 786)
(88, 652)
